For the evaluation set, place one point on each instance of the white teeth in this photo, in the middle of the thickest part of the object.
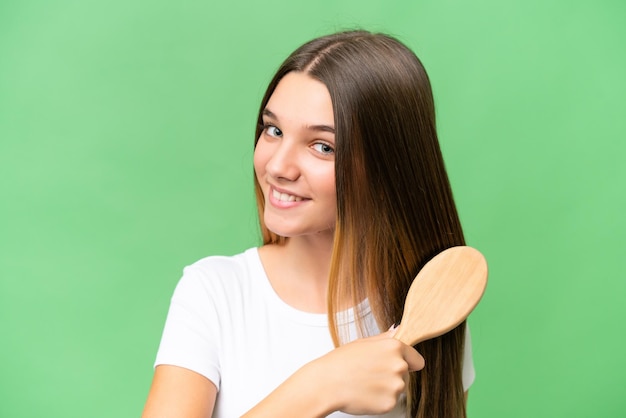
(284, 197)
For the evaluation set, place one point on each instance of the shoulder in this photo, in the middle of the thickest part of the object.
(217, 266)
(219, 275)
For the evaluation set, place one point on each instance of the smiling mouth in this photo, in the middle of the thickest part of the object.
(284, 197)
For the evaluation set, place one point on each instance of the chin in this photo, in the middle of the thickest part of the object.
(286, 229)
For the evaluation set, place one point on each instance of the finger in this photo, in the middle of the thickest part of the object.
(392, 330)
(413, 359)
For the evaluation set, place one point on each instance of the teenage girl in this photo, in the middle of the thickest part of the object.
(353, 200)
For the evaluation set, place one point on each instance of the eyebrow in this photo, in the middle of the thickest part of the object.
(321, 128)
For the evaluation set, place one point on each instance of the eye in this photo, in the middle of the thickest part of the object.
(272, 130)
(323, 148)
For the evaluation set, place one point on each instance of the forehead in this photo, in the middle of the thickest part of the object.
(300, 98)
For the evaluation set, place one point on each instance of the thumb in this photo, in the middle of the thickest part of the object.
(413, 359)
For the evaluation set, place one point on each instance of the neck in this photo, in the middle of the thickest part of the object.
(311, 254)
(299, 269)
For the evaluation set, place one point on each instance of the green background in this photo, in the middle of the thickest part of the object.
(126, 131)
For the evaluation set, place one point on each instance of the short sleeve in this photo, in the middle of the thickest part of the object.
(189, 337)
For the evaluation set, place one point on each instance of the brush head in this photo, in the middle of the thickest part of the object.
(443, 294)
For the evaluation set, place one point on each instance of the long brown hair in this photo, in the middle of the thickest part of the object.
(395, 208)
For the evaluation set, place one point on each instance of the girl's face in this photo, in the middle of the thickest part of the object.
(294, 159)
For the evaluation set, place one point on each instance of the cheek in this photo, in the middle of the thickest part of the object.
(328, 183)
(259, 160)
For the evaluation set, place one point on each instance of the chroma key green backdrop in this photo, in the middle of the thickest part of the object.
(126, 131)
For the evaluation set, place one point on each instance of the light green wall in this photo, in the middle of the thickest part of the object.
(125, 154)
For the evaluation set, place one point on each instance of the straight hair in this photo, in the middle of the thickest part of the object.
(395, 209)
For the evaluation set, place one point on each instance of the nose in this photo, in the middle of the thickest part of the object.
(283, 162)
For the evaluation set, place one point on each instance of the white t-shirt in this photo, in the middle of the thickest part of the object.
(226, 323)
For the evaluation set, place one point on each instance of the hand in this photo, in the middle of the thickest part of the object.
(368, 375)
